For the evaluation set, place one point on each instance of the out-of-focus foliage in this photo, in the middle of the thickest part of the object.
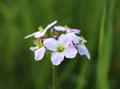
(99, 22)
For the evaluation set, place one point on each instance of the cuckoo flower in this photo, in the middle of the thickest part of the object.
(66, 29)
(65, 42)
(77, 41)
(71, 33)
(60, 48)
(41, 32)
(73, 37)
(82, 48)
(39, 50)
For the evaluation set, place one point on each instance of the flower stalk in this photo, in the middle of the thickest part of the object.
(53, 77)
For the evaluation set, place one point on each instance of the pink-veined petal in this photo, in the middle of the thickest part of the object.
(64, 39)
(73, 37)
(39, 53)
(51, 44)
(70, 52)
(83, 50)
(59, 28)
(57, 58)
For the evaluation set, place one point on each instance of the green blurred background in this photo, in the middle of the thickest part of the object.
(99, 22)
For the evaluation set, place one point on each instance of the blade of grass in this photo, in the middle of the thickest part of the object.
(89, 16)
(100, 80)
(10, 44)
(105, 46)
(82, 76)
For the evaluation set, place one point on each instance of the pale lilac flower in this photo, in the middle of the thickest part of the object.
(64, 44)
(82, 49)
(66, 29)
(71, 33)
(41, 33)
(38, 52)
(60, 48)
(73, 37)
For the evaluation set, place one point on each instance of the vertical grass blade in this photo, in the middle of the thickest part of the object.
(105, 45)
(100, 75)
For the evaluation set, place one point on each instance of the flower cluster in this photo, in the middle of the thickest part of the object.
(62, 42)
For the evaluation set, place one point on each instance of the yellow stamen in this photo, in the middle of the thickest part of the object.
(82, 40)
(38, 42)
(41, 29)
(60, 48)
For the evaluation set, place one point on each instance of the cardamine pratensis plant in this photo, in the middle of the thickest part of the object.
(63, 42)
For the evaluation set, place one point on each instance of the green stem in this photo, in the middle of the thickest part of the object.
(53, 77)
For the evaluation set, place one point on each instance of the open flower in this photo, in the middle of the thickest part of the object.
(60, 48)
(41, 32)
(82, 48)
(39, 50)
(71, 33)
(73, 37)
(66, 29)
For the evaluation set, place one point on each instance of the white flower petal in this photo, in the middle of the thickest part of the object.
(33, 48)
(50, 44)
(40, 34)
(70, 52)
(57, 58)
(50, 25)
(59, 28)
(73, 37)
(36, 35)
(75, 31)
(39, 53)
(33, 34)
(64, 39)
(83, 50)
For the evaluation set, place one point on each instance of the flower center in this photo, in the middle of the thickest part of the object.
(60, 48)
(38, 42)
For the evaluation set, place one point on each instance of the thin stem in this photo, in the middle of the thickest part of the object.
(53, 77)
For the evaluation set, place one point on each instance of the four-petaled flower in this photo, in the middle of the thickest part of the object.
(60, 48)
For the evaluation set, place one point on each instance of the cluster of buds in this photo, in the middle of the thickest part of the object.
(61, 42)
